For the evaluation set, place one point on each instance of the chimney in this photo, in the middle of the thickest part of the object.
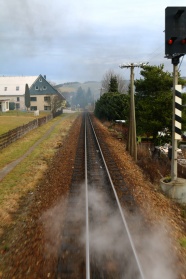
(44, 76)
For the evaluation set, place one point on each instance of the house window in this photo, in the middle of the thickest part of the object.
(33, 108)
(18, 99)
(37, 88)
(33, 99)
(47, 99)
(40, 79)
(5, 89)
(47, 107)
(17, 88)
(17, 106)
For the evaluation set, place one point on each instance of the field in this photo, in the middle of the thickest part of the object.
(13, 119)
(53, 132)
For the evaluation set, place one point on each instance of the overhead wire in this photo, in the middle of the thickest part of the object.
(158, 52)
(150, 57)
(181, 62)
(155, 53)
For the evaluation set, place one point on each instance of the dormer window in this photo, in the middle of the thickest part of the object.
(40, 80)
(37, 88)
(44, 87)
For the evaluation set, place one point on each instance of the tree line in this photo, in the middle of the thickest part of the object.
(82, 98)
(153, 101)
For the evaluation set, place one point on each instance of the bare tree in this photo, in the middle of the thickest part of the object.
(122, 85)
(56, 103)
(52, 83)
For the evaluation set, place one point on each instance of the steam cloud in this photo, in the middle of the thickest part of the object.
(106, 238)
(52, 221)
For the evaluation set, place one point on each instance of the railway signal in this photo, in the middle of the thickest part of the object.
(175, 47)
(175, 31)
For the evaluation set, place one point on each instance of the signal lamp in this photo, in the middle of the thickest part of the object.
(170, 42)
(183, 41)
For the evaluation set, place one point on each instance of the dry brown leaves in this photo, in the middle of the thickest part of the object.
(154, 205)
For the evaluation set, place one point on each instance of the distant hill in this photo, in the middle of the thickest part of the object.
(71, 87)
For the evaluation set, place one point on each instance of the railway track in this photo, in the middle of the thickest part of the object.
(96, 242)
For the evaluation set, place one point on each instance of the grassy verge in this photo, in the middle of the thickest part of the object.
(25, 176)
(18, 148)
(13, 119)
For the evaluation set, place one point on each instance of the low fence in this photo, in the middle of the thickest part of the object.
(18, 132)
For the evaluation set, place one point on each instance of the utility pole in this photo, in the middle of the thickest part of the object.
(131, 142)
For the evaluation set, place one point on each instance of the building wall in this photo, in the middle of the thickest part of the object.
(18, 100)
(4, 106)
(40, 102)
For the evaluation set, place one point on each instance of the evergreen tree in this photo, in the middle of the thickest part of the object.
(113, 84)
(153, 100)
(27, 97)
(89, 97)
(112, 106)
(80, 97)
(122, 85)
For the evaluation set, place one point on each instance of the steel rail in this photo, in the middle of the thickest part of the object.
(87, 212)
(120, 208)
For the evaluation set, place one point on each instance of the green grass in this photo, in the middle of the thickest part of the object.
(12, 122)
(12, 119)
(21, 178)
(19, 147)
(139, 139)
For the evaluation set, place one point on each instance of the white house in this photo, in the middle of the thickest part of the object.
(4, 104)
(12, 92)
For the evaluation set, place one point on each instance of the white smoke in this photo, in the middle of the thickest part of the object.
(153, 247)
(109, 242)
(52, 221)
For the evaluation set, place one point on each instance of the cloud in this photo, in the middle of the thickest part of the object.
(79, 35)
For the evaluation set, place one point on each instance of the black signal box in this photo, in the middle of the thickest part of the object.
(175, 31)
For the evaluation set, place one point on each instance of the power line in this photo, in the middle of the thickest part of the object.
(181, 62)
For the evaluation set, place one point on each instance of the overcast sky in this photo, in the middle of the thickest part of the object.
(80, 40)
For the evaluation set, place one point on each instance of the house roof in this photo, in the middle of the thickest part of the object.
(8, 85)
(11, 82)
